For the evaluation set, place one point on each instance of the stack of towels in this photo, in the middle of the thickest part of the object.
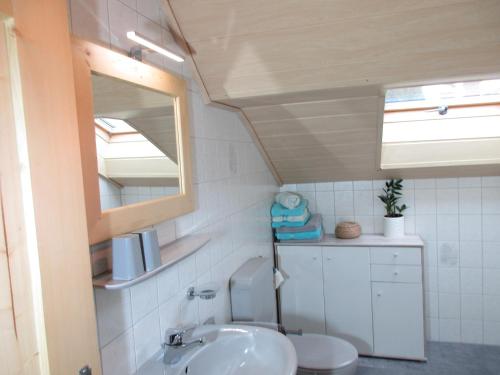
(292, 220)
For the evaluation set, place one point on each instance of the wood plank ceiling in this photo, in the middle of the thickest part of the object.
(310, 75)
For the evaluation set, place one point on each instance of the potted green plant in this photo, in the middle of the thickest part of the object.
(394, 221)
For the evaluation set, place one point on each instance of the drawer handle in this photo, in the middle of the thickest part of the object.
(328, 258)
(379, 294)
(396, 273)
(395, 255)
(314, 258)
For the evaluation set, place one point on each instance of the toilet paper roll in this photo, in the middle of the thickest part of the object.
(278, 278)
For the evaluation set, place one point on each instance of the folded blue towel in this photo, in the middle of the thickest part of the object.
(313, 235)
(292, 224)
(278, 210)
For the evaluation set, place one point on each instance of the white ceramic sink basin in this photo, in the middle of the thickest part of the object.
(231, 350)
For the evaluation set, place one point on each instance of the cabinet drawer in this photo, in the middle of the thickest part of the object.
(397, 274)
(396, 255)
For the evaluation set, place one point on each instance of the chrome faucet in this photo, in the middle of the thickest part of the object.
(175, 347)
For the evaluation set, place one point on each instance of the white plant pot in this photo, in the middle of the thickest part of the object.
(394, 226)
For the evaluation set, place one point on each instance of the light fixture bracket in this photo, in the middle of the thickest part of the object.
(136, 53)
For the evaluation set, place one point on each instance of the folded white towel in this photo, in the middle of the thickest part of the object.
(288, 199)
(298, 218)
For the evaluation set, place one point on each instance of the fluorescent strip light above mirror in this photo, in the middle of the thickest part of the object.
(132, 35)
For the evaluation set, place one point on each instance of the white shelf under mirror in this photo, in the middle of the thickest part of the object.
(170, 254)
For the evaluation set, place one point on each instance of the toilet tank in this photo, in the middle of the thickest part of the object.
(252, 291)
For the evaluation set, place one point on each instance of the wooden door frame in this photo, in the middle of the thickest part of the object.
(40, 173)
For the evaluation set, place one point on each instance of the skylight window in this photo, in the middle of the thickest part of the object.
(442, 125)
(114, 126)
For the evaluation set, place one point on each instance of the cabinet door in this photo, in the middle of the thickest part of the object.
(301, 295)
(398, 326)
(348, 306)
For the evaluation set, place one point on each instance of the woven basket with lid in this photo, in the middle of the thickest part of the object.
(347, 230)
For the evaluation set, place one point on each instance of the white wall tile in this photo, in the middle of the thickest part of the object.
(468, 182)
(447, 183)
(472, 331)
(471, 254)
(492, 308)
(449, 280)
(470, 200)
(343, 186)
(491, 181)
(147, 338)
(447, 228)
(471, 280)
(363, 202)
(344, 203)
(431, 305)
(449, 306)
(426, 226)
(448, 253)
(325, 202)
(432, 329)
(472, 307)
(367, 224)
(491, 333)
(144, 298)
(491, 282)
(424, 183)
(491, 223)
(305, 187)
(470, 227)
(324, 186)
(425, 201)
(363, 185)
(118, 357)
(491, 200)
(168, 284)
(89, 20)
(447, 201)
(491, 251)
(114, 314)
(449, 330)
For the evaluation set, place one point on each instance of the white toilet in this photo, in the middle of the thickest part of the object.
(253, 301)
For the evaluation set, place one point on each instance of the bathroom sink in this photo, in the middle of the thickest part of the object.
(231, 350)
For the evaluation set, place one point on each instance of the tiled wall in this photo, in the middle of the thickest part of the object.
(233, 188)
(115, 196)
(110, 194)
(459, 220)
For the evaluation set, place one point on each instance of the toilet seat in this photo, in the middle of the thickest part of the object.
(320, 352)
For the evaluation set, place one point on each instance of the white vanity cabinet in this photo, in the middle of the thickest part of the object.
(348, 308)
(367, 291)
(302, 294)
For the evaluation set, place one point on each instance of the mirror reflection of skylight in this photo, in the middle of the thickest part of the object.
(114, 126)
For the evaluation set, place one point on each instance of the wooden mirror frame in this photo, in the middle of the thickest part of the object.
(87, 58)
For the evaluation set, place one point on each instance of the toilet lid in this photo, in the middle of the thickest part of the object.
(320, 352)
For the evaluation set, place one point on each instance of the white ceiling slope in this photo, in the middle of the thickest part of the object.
(309, 75)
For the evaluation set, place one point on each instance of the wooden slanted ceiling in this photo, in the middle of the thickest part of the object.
(310, 75)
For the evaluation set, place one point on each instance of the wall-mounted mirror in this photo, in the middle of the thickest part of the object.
(136, 142)
(134, 139)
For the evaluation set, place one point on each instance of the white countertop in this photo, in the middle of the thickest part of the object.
(363, 240)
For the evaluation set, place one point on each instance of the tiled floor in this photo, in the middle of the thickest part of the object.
(443, 359)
